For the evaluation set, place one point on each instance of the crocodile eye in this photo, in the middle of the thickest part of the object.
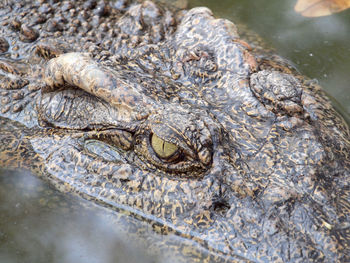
(174, 146)
(163, 149)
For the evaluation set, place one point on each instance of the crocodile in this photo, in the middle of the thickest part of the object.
(171, 115)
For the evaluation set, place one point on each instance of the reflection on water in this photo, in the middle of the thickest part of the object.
(318, 46)
(38, 224)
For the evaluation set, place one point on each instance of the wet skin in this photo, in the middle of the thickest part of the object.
(172, 116)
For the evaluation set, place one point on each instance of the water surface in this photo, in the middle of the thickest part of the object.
(39, 224)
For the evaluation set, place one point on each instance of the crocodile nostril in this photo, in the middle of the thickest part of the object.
(220, 205)
(278, 92)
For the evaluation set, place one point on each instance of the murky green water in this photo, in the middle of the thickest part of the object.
(319, 47)
(38, 224)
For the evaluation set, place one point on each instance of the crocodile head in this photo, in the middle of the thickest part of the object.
(179, 121)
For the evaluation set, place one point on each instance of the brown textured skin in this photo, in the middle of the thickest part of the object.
(263, 169)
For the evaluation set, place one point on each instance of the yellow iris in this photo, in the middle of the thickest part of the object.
(162, 148)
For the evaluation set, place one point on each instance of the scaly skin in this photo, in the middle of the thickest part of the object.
(261, 170)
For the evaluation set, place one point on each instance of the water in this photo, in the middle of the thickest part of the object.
(319, 47)
(39, 224)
